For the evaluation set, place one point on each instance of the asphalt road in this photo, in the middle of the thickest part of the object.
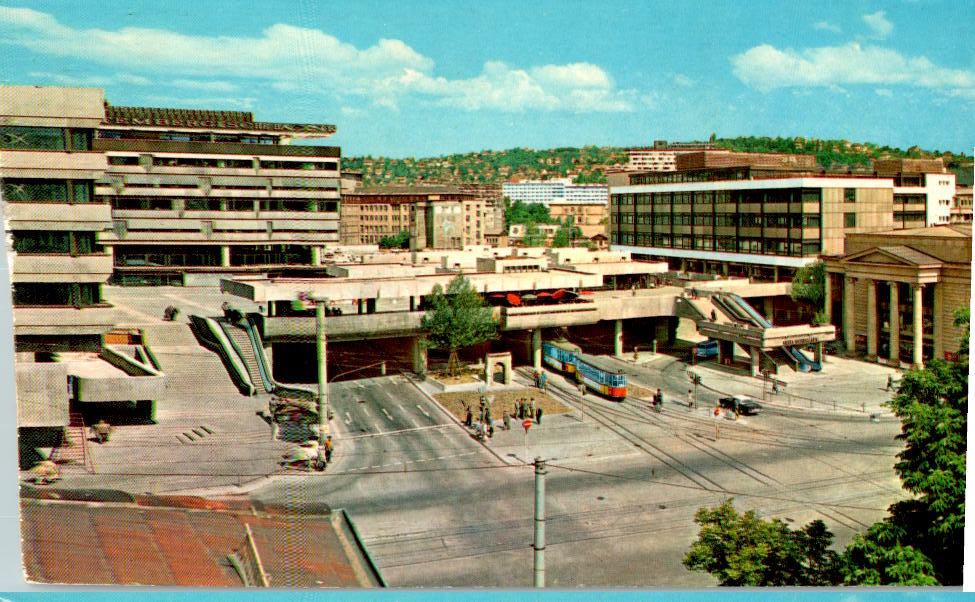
(437, 509)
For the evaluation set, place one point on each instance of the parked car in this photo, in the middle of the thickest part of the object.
(741, 405)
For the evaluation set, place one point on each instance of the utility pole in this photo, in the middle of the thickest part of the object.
(322, 348)
(539, 522)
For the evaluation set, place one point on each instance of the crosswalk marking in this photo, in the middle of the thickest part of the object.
(424, 412)
(348, 419)
(385, 411)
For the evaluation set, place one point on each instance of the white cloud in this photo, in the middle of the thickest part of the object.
(290, 58)
(766, 67)
(885, 92)
(827, 26)
(683, 81)
(878, 24)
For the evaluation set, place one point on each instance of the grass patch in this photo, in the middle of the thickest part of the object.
(503, 400)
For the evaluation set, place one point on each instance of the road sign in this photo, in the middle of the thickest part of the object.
(717, 411)
(527, 424)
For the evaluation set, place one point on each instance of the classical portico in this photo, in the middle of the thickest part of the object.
(908, 284)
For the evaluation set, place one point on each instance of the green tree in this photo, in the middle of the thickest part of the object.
(457, 318)
(922, 538)
(561, 238)
(745, 550)
(533, 236)
(809, 284)
(400, 240)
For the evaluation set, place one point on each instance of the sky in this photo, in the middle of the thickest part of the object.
(411, 78)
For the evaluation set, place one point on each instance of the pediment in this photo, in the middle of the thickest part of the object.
(895, 255)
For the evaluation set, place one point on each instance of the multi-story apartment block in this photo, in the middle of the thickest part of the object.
(923, 190)
(559, 190)
(196, 193)
(762, 215)
(961, 205)
(438, 217)
(661, 156)
(590, 218)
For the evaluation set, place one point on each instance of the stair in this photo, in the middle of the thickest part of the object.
(239, 336)
(77, 434)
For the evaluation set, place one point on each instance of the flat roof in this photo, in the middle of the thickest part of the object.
(205, 119)
(763, 184)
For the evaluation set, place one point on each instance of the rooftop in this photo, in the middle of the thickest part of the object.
(183, 541)
(206, 119)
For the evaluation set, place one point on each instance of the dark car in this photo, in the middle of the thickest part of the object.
(741, 405)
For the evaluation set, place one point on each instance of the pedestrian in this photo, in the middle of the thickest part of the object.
(532, 409)
(775, 387)
(328, 448)
(102, 430)
(582, 389)
(538, 415)
(469, 419)
(490, 432)
(890, 382)
(480, 417)
(690, 398)
(544, 380)
(487, 415)
(538, 379)
(507, 421)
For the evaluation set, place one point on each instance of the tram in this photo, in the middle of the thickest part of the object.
(597, 374)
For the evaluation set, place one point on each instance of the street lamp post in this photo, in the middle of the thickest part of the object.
(322, 352)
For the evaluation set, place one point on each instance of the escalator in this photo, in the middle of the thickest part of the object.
(248, 342)
(803, 361)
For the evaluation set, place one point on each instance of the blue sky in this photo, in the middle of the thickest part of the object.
(426, 78)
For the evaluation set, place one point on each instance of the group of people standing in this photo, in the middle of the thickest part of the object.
(523, 408)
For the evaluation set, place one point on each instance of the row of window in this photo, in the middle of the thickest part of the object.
(132, 160)
(47, 191)
(712, 197)
(219, 204)
(55, 241)
(185, 136)
(720, 219)
(44, 138)
(76, 294)
(720, 243)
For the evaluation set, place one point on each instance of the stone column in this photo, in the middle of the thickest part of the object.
(537, 348)
(895, 324)
(828, 298)
(753, 355)
(918, 326)
(938, 290)
(419, 356)
(618, 338)
(775, 273)
(849, 313)
(225, 256)
(724, 269)
(871, 318)
(819, 353)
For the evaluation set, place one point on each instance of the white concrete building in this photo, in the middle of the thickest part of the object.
(560, 190)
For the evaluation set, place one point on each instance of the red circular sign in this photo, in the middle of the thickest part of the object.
(527, 423)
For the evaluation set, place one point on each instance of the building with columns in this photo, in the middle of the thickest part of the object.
(893, 294)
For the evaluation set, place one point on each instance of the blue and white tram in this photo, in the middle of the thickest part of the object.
(561, 355)
(601, 376)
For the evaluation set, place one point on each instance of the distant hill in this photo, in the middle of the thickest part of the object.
(589, 163)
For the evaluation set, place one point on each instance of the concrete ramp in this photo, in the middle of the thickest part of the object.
(700, 309)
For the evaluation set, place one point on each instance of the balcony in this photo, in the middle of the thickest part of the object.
(61, 267)
(57, 165)
(59, 216)
(63, 320)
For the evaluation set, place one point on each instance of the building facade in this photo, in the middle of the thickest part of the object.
(195, 192)
(590, 218)
(559, 190)
(762, 216)
(438, 217)
(894, 293)
(661, 156)
(923, 191)
(961, 206)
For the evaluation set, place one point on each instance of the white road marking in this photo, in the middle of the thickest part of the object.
(401, 463)
(399, 431)
(385, 411)
(348, 419)
(424, 412)
(366, 410)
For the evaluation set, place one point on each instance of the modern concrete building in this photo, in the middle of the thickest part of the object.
(439, 217)
(923, 191)
(895, 288)
(961, 206)
(761, 215)
(557, 190)
(661, 156)
(196, 193)
(56, 226)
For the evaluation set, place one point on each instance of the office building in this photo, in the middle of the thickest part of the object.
(589, 218)
(761, 215)
(439, 217)
(923, 191)
(559, 190)
(662, 156)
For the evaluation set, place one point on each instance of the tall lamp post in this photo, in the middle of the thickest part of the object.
(322, 351)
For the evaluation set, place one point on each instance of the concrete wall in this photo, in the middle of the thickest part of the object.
(42, 394)
(874, 209)
(63, 320)
(62, 268)
(52, 106)
(78, 165)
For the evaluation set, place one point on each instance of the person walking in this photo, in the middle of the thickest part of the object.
(538, 415)
(507, 420)
(328, 448)
(469, 418)
(487, 415)
(532, 409)
(890, 382)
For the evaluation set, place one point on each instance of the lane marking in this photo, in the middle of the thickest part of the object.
(385, 411)
(348, 419)
(400, 431)
(366, 410)
(422, 411)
